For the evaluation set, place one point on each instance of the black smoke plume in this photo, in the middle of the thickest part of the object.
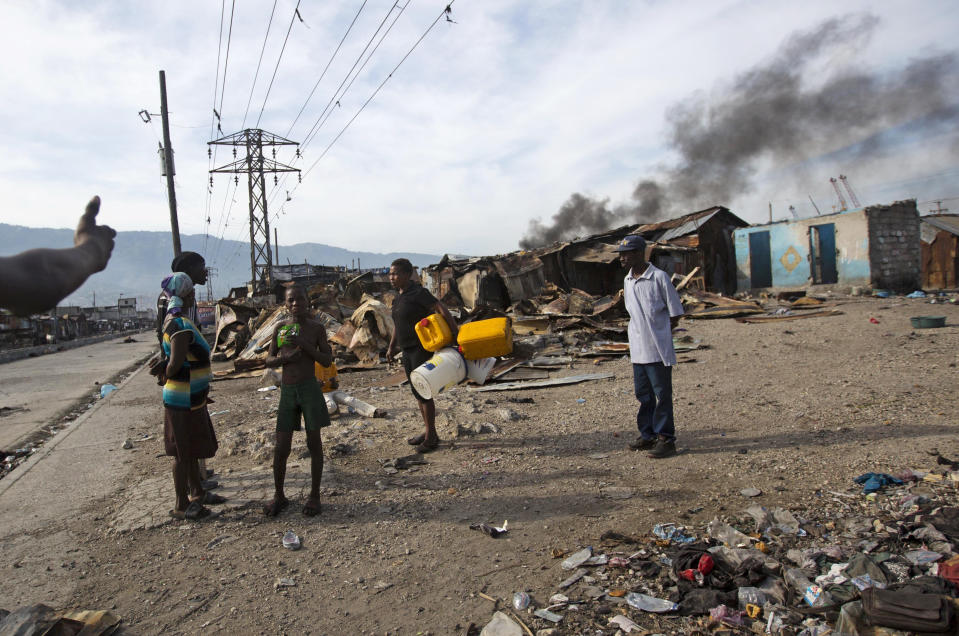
(779, 111)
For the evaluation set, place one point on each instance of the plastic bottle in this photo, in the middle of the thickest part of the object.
(797, 580)
(813, 594)
(520, 601)
(577, 558)
(650, 603)
(751, 596)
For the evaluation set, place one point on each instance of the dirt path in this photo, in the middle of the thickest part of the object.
(790, 408)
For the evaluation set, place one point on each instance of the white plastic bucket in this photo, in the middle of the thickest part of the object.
(478, 370)
(440, 372)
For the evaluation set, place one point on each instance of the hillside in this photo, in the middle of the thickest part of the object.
(141, 259)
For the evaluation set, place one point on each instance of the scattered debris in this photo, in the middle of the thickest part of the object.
(492, 531)
(291, 541)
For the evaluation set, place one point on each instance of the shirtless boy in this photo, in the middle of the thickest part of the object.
(300, 394)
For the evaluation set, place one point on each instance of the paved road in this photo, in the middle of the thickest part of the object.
(45, 386)
(83, 476)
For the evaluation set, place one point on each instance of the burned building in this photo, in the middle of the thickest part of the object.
(678, 246)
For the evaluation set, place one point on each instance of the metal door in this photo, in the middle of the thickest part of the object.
(822, 251)
(760, 263)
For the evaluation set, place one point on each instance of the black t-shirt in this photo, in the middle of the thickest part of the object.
(410, 307)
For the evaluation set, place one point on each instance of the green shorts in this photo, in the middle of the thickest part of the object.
(304, 398)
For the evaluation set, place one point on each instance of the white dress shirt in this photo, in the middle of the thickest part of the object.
(651, 300)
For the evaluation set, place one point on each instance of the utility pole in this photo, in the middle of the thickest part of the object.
(168, 169)
(770, 211)
(255, 166)
(276, 246)
(938, 209)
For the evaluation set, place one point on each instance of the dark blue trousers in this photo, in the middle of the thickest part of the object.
(653, 384)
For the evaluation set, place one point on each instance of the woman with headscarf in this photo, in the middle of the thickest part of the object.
(187, 430)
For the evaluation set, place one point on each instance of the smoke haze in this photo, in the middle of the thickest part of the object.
(776, 113)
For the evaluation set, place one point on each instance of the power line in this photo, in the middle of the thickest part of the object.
(265, 98)
(226, 63)
(314, 129)
(337, 95)
(278, 59)
(442, 14)
(445, 13)
(327, 67)
(258, 62)
(213, 118)
(360, 70)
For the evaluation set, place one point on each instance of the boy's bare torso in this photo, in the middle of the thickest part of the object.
(297, 365)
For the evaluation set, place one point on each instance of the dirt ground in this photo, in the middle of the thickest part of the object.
(794, 408)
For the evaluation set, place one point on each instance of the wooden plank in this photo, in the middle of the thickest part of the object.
(688, 277)
(780, 318)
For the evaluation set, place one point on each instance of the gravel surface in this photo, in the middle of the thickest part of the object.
(794, 409)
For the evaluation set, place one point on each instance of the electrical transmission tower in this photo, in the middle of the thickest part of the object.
(255, 166)
(210, 273)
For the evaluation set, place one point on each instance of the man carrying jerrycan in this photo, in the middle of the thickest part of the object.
(413, 303)
(654, 310)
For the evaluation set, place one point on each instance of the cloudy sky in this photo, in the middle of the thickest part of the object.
(494, 119)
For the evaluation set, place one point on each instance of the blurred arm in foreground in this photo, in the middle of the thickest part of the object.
(36, 280)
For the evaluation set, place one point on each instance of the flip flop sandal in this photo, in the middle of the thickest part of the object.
(427, 447)
(196, 511)
(275, 507)
(416, 440)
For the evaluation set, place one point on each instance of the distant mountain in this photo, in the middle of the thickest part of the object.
(140, 260)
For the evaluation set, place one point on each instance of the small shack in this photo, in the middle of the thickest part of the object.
(709, 235)
(939, 248)
(875, 246)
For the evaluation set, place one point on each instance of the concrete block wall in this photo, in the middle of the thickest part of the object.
(894, 250)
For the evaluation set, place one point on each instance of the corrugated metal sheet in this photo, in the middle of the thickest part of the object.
(948, 223)
(598, 253)
(690, 227)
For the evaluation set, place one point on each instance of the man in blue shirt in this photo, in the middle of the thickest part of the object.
(654, 309)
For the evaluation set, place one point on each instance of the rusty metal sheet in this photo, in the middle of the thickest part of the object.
(540, 384)
(595, 253)
(531, 326)
(525, 373)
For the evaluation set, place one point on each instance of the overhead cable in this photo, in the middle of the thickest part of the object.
(278, 59)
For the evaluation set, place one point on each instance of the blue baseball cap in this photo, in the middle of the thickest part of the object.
(631, 243)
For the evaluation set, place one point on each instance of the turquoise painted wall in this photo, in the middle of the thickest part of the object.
(789, 250)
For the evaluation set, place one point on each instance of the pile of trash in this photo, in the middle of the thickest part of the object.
(880, 560)
(11, 459)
